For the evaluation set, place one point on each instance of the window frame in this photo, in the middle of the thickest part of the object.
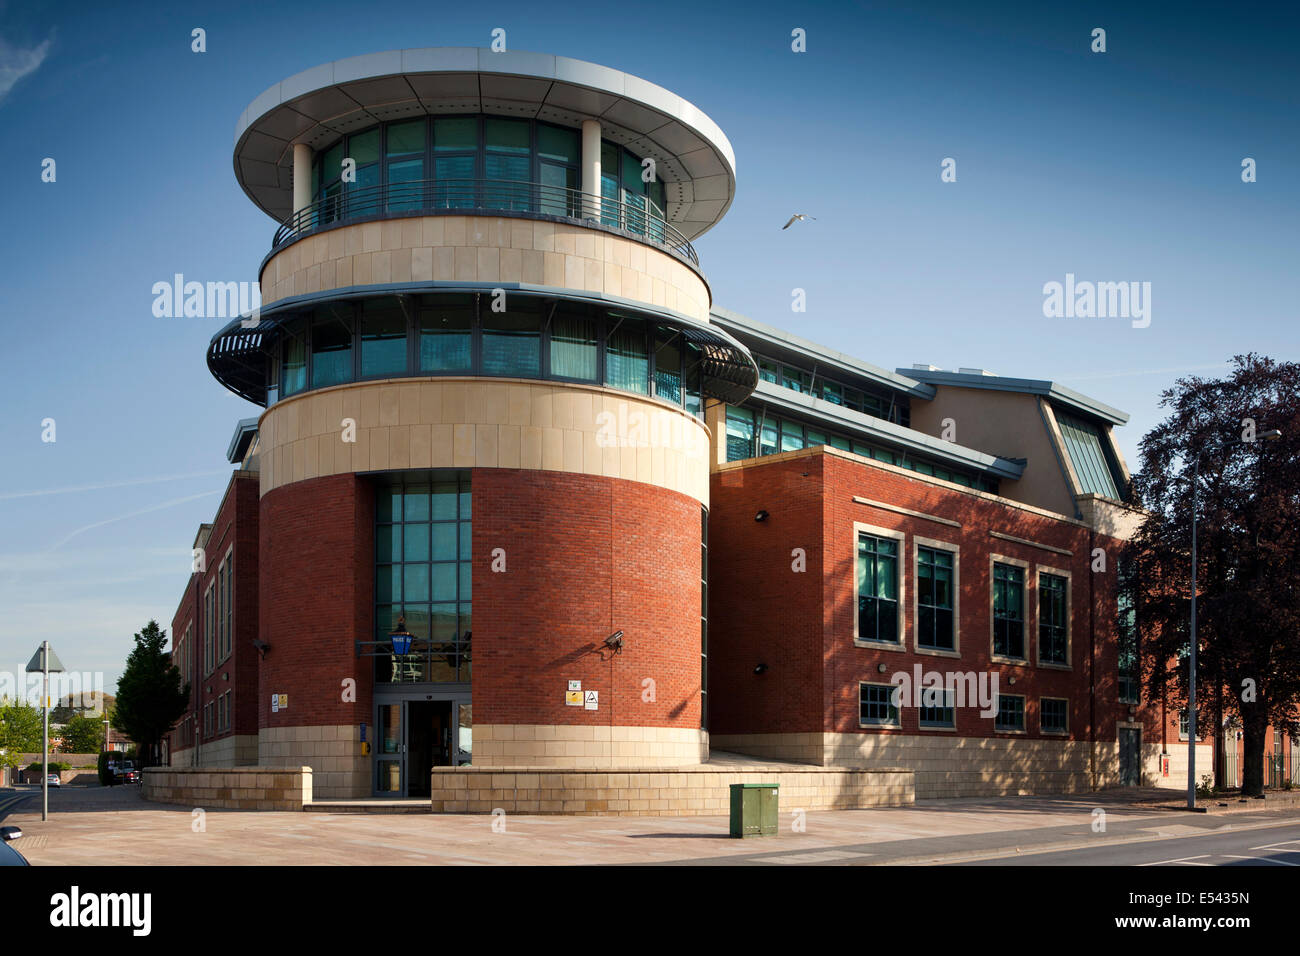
(1025, 567)
(896, 724)
(1051, 732)
(1039, 571)
(949, 704)
(1024, 717)
(899, 645)
(934, 544)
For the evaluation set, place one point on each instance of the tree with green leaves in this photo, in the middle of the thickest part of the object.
(150, 694)
(1214, 450)
(83, 734)
(20, 731)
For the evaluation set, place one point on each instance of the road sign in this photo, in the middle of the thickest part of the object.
(37, 664)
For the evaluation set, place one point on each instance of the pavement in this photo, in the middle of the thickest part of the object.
(97, 825)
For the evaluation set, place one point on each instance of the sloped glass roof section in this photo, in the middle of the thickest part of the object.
(1088, 454)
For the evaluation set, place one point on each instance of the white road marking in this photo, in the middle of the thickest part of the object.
(1185, 859)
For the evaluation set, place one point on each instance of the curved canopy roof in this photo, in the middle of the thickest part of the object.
(237, 354)
(693, 157)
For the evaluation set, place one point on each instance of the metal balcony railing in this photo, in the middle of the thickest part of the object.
(636, 215)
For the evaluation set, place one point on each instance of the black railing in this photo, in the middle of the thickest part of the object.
(637, 216)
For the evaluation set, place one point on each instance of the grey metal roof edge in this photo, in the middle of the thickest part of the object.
(1002, 383)
(245, 429)
(444, 285)
(879, 428)
(881, 376)
(568, 71)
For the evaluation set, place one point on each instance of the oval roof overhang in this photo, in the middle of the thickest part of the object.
(693, 157)
(237, 352)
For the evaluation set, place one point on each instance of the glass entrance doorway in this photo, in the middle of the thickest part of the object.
(414, 735)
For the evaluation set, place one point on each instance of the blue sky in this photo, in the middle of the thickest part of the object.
(1122, 166)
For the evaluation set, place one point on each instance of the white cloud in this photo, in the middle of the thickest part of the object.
(16, 63)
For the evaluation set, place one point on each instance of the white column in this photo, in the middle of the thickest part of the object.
(301, 176)
(591, 168)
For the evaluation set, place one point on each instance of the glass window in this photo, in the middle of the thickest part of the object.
(835, 441)
(876, 705)
(559, 144)
(1054, 715)
(331, 350)
(740, 434)
(383, 338)
(457, 133)
(814, 438)
(611, 212)
(511, 341)
(573, 347)
(769, 438)
(694, 371)
(422, 564)
(506, 135)
(1053, 633)
(1129, 673)
(877, 589)
(627, 362)
(936, 708)
(1011, 713)
(363, 148)
(1090, 454)
(791, 436)
(668, 367)
(446, 332)
(556, 194)
(934, 599)
(1008, 610)
(796, 380)
(406, 137)
(293, 371)
(768, 371)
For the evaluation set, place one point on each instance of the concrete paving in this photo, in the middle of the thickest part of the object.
(94, 825)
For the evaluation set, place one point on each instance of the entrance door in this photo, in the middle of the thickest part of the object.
(1130, 748)
(429, 733)
(413, 737)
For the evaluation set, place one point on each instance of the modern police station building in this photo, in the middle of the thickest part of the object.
(523, 496)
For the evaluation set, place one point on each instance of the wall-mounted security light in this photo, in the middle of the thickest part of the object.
(760, 668)
(1011, 679)
(761, 516)
(262, 647)
(881, 668)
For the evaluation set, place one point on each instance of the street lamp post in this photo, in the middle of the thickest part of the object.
(1270, 435)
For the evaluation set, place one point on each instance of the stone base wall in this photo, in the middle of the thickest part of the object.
(238, 750)
(1177, 779)
(950, 766)
(584, 747)
(649, 791)
(234, 788)
(333, 753)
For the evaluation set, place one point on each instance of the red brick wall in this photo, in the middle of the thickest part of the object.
(585, 556)
(317, 595)
(236, 523)
(802, 625)
(760, 610)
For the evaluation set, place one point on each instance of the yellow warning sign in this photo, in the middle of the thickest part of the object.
(573, 698)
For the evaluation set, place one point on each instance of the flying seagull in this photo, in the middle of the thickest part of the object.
(799, 216)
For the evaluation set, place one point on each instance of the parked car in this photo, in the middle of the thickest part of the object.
(131, 776)
(8, 855)
(52, 779)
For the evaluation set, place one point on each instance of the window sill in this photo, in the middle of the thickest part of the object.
(1013, 661)
(1054, 666)
(937, 727)
(881, 645)
(1010, 730)
(1055, 733)
(938, 651)
(863, 726)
